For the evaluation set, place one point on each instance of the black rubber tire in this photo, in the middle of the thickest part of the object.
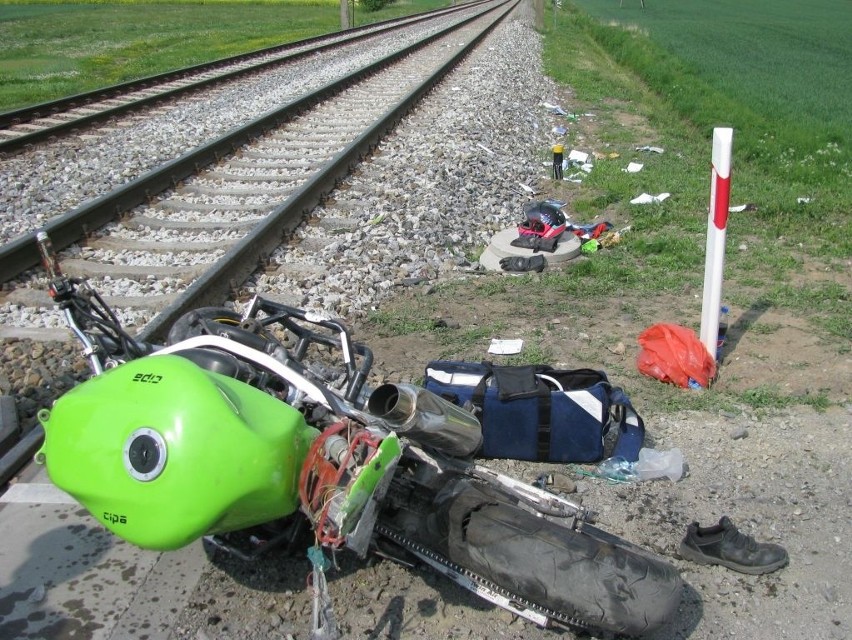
(598, 584)
(10, 429)
(227, 322)
(187, 325)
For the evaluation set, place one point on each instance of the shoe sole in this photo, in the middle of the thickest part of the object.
(688, 553)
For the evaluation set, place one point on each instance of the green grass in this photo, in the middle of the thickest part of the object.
(792, 138)
(406, 321)
(766, 398)
(777, 71)
(52, 50)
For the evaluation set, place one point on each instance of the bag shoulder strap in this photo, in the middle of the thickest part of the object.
(544, 410)
(631, 427)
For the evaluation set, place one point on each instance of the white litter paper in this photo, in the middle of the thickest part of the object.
(634, 167)
(505, 347)
(651, 149)
(647, 198)
(554, 108)
(578, 156)
(526, 188)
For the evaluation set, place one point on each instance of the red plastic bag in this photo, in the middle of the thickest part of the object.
(672, 353)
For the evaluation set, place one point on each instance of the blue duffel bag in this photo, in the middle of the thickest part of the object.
(535, 412)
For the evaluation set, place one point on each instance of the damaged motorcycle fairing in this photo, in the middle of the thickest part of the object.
(229, 454)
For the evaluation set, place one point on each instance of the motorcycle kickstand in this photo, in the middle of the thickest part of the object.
(323, 624)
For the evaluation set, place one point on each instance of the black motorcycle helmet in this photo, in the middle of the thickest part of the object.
(543, 219)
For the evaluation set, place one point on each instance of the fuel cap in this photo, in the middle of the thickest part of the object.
(145, 454)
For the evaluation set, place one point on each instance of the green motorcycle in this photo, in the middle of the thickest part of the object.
(246, 430)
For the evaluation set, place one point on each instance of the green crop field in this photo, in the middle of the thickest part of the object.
(779, 71)
(793, 59)
(51, 50)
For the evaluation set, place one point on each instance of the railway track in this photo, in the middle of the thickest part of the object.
(278, 190)
(46, 179)
(34, 123)
(219, 225)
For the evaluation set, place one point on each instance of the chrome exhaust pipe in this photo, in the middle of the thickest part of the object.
(426, 418)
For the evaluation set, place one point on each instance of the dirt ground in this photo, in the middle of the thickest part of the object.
(790, 358)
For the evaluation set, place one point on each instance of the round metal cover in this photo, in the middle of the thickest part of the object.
(145, 454)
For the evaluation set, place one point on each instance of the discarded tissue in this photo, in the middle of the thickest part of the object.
(578, 156)
(647, 198)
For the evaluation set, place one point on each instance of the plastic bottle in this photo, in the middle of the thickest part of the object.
(617, 468)
(723, 331)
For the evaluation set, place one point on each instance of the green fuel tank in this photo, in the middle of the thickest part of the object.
(162, 452)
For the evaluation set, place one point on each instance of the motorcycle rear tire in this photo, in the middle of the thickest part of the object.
(591, 580)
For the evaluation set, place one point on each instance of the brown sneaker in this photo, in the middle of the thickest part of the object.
(724, 544)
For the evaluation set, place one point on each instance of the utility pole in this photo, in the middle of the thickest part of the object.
(344, 15)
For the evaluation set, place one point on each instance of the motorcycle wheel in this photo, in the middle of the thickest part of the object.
(590, 581)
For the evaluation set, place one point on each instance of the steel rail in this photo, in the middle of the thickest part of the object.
(54, 107)
(21, 253)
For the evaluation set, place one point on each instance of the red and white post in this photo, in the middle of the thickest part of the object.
(717, 224)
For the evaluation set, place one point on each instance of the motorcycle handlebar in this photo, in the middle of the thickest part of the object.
(84, 310)
(357, 373)
(48, 255)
